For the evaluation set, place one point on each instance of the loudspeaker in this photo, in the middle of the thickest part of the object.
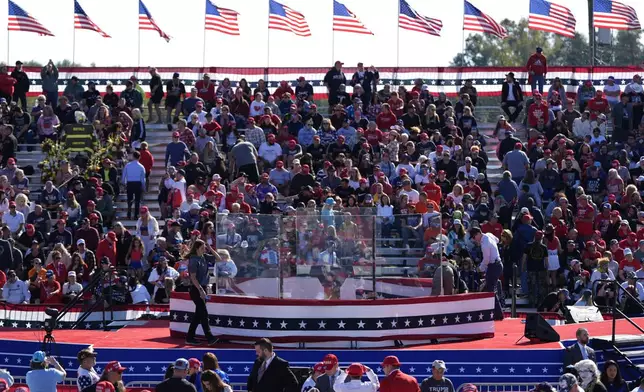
(538, 329)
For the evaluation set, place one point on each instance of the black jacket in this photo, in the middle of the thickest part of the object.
(22, 82)
(516, 89)
(278, 377)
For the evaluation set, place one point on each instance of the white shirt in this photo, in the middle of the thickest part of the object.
(412, 196)
(257, 108)
(72, 288)
(638, 287)
(613, 88)
(140, 295)
(13, 221)
(472, 172)
(581, 128)
(511, 92)
(310, 383)
(270, 153)
(201, 116)
(356, 385)
(489, 249)
(86, 378)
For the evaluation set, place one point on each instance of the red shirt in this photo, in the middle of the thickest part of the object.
(49, 286)
(538, 110)
(374, 137)
(628, 244)
(397, 381)
(386, 120)
(434, 193)
(108, 250)
(283, 89)
(212, 128)
(6, 84)
(207, 93)
(602, 223)
(495, 229)
(538, 64)
(474, 190)
(627, 266)
(597, 105)
(584, 228)
(147, 160)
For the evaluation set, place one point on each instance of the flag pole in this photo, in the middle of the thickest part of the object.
(74, 47)
(204, 43)
(138, 51)
(398, 39)
(332, 33)
(463, 34)
(8, 32)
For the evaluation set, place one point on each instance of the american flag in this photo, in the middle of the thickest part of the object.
(281, 17)
(220, 19)
(346, 21)
(147, 23)
(20, 20)
(550, 17)
(409, 19)
(475, 20)
(83, 22)
(614, 15)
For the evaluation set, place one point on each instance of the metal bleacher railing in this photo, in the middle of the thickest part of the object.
(500, 387)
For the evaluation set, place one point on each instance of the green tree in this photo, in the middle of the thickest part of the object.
(487, 50)
(67, 63)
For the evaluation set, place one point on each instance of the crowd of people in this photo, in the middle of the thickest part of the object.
(259, 182)
(270, 373)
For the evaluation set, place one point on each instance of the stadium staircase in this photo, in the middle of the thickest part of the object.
(397, 260)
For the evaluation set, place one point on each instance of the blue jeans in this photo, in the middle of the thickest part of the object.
(407, 233)
(538, 79)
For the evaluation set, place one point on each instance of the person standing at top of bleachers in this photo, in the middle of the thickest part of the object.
(537, 68)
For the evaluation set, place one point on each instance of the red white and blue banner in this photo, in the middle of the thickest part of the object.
(33, 316)
(487, 80)
(289, 320)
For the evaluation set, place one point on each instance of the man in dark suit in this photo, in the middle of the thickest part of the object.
(580, 349)
(396, 380)
(270, 373)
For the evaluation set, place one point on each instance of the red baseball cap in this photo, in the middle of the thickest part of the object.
(12, 204)
(319, 367)
(194, 363)
(612, 197)
(330, 360)
(518, 145)
(114, 366)
(11, 161)
(111, 235)
(91, 203)
(270, 137)
(615, 162)
(143, 209)
(93, 216)
(176, 134)
(391, 360)
(195, 232)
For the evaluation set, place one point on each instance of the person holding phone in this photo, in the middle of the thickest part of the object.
(45, 373)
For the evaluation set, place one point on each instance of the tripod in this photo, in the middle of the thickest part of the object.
(48, 342)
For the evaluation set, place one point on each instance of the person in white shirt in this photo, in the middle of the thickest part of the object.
(468, 169)
(355, 372)
(179, 183)
(71, 288)
(631, 280)
(257, 106)
(87, 376)
(199, 112)
(318, 370)
(582, 127)
(14, 220)
(15, 291)
(599, 122)
(612, 91)
(269, 151)
(139, 293)
(412, 195)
